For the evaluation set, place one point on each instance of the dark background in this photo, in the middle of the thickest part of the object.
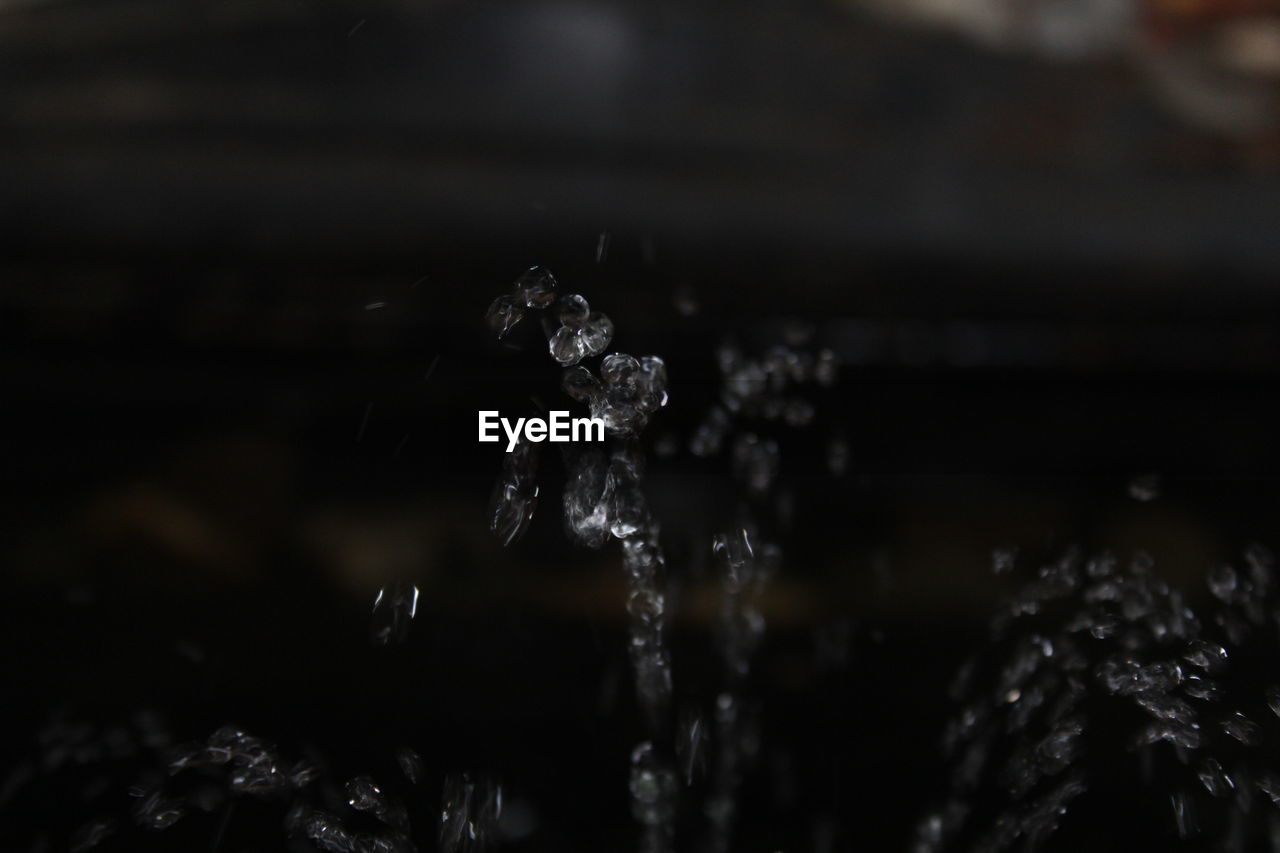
(245, 254)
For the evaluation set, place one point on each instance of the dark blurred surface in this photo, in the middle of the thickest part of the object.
(246, 253)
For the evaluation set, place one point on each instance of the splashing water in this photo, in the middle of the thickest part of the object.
(470, 809)
(1079, 644)
(603, 498)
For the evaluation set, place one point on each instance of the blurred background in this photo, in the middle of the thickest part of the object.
(247, 250)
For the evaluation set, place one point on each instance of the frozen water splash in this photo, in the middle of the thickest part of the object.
(625, 394)
(535, 288)
(653, 789)
(767, 389)
(327, 832)
(756, 462)
(755, 394)
(91, 835)
(393, 610)
(691, 745)
(206, 778)
(155, 811)
(603, 500)
(470, 808)
(630, 390)
(364, 795)
(253, 767)
(503, 314)
(410, 764)
(644, 564)
(743, 576)
(737, 741)
(515, 494)
(587, 498)
(1078, 643)
(582, 333)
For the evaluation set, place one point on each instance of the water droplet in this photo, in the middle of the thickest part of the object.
(1272, 694)
(1184, 814)
(596, 334)
(469, 812)
(302, 774)
(1269, 784)
(1004, 559)
(1214, 778)
(515, 494)
(1207, 656)
(653, 787)
(651, 383)
(1145, 487)
(646, 605)
(536, 288)
(826, 368)
(410, 764)
(1242, 729)
(566, 345)
(587, 495)
(574, 310)
(837, 456)
(580, 384)
(756, 462)
(1223, 582)
(155, 811)
(363, 795)
(91, 835)
(1202, 688)
(503, 314)
(619, 369)
(685, 300)
(393, 610)
(691, 744)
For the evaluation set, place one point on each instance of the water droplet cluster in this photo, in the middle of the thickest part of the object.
(767, 389)
(1089, 643)
(604, 500)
